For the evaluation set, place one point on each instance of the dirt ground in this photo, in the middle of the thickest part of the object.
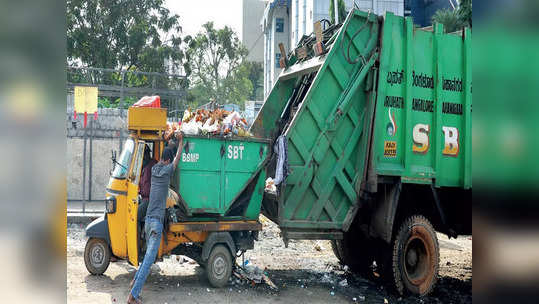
(305, 272)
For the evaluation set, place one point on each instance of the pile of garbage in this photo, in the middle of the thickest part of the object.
(171, 129)
(214, 123)
(251, 275)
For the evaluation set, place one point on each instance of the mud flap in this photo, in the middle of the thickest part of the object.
(99, 229)
(218, 238)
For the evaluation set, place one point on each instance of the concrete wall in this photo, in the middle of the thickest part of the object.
(102, 135)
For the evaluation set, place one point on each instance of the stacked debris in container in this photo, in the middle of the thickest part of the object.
(213, 123)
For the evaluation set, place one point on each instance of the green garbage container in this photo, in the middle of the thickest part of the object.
(222, 177)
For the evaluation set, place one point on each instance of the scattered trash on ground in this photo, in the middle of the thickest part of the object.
(252, 275)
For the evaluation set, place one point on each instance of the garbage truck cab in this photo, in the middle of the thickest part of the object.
(212, 235)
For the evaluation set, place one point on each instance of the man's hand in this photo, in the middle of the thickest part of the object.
(179, 136)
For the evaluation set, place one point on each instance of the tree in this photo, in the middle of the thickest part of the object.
(214, 59)
(455, 20)
(465, 11)
(256, 76)
(136, 34)
(342, 10)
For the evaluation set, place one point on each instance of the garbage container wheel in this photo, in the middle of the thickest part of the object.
(219, 266)
(97, 256)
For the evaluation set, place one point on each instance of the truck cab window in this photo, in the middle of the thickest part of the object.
(120, 168)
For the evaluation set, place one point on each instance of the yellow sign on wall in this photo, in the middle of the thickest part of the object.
(85, 99)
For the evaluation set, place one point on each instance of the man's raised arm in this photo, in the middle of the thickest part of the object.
(179, 150)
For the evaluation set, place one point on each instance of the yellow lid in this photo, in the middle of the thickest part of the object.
(141, 118)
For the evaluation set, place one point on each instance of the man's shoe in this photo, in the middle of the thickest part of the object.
(132, 300)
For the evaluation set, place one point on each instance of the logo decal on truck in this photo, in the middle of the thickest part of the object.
(190, 157)
(390, 148)
(451, 146)
(392, 125)
(235, 152)
(421, 140)
(420, 136)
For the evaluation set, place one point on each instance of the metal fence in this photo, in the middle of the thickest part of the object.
(89, 149)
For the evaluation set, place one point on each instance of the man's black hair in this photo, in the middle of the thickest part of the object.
(168, 154)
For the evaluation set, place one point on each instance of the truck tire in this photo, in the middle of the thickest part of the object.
(335, 248)
(355, 251)
(415, 257)
(219, 266)
(97, 256)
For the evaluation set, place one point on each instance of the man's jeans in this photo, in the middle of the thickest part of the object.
(153, 228)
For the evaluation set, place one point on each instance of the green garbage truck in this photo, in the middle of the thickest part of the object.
(367, 134)
(376, 116)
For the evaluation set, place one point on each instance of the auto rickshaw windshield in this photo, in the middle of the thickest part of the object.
(122, 164)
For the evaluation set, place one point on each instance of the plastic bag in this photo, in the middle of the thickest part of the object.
(191, 128)
(208, 127)
(187, 115)
(270, 186)
(232, 118)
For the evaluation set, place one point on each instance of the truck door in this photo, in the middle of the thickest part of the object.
(132, 204)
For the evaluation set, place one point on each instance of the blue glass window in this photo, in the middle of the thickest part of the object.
(277, 59)
(279, 25)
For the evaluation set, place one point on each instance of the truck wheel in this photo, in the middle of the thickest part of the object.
(415, 256)
(97, 256)
(355, 251)
(335, 248)
(219, 266)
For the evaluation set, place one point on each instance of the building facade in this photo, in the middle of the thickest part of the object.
(252, 34)
(276, 26)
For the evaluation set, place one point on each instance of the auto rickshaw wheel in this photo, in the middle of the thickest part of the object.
(219, 266)
(97, 256)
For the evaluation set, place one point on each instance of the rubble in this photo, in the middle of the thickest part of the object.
(318, 271)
